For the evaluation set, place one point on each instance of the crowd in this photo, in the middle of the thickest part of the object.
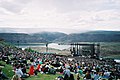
(39, 63)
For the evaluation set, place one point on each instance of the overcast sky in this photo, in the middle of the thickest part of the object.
(67, 16)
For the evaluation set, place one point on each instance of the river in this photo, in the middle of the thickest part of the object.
(50, 45)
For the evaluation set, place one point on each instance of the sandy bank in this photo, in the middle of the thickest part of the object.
(52, 50)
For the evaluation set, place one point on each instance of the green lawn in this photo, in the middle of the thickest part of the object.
(7, 69)
(43, 77)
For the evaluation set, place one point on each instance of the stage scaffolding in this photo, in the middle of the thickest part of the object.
(86, 49)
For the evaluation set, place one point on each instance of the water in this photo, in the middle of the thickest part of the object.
(117, 60)
(50, 45)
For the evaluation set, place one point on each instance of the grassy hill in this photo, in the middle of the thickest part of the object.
(8, 70)
(92, 36)
(107, 48)
(30, 38)
(110, 49)
(44, 77)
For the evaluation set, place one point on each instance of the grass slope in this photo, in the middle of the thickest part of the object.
(110, 49)
(44, 77)
(7, 69)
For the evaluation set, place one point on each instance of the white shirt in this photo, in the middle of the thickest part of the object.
(19, 72)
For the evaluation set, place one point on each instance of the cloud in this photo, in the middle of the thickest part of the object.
(60, 15)
(14, 6)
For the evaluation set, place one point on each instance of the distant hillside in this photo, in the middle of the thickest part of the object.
(92, 36)
(49, 36)
(21, 37)
(30, 38)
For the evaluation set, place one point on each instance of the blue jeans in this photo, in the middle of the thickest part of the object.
(3, 76)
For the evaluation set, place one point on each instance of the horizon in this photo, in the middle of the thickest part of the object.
(24, 30)
(67, 16)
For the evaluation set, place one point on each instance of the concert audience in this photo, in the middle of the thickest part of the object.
(84, 68)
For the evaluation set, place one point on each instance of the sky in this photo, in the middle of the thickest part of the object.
(68, 16)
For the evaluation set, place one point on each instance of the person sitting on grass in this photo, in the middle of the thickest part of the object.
(71, 77)
(66, 73)
(78, 76)
(80, 71)
(96, 76)
(19, 72)
(16, 77)
(38, 67)
(87, 76)
(59, 78)
(52, 70)
(31, 70)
